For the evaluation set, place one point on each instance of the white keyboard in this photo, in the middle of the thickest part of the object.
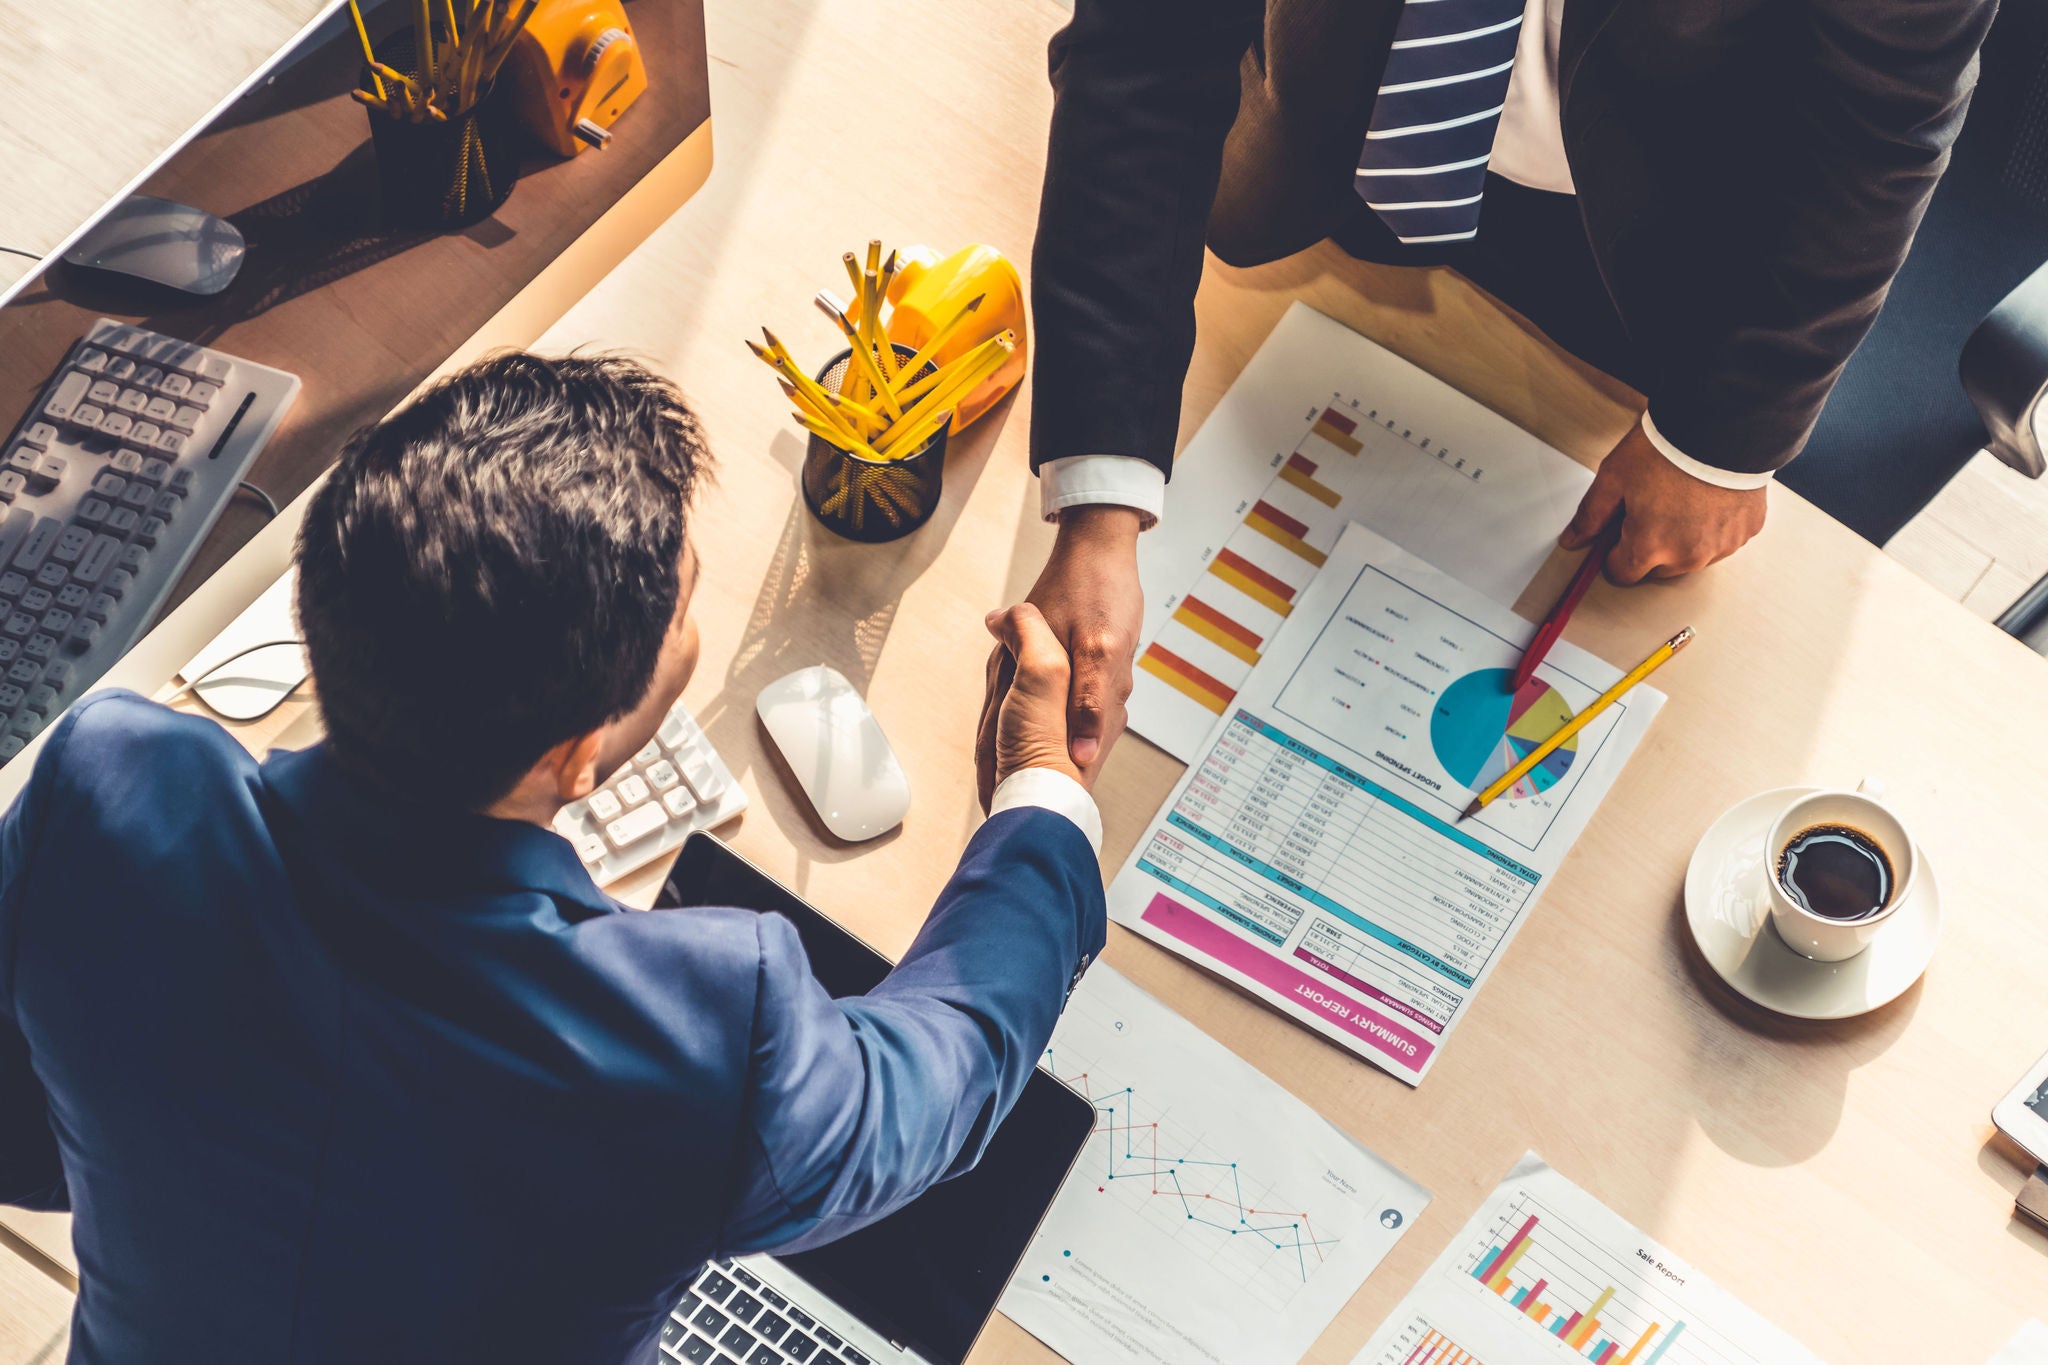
(674, 787)
(108, 485)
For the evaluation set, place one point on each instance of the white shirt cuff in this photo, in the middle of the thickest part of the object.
(1080, 480)
(1705, 473)
(1053, 791)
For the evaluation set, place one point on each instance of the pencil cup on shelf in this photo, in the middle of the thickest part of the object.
(872, 500)
(446, 136)
(446, 175)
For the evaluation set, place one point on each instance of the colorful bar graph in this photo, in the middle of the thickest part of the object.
(1284, 531)
(1499, 1283)
(1184, 677)
(1644, 1340)
(1677, 1328)
(1302, 474)
(1592, 1322)
(1503, 1259)
(1213, 626)
(1334, 427)
(1579, 1328)
(1287, 532)
(1437, 1349)
(1253, 581)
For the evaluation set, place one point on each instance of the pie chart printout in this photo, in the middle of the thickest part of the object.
(1479, 730)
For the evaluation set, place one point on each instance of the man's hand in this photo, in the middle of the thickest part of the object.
(1088, 595)
(1029, 725)
(1673, 524)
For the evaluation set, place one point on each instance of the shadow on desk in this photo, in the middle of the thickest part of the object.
(1806, 1076)
(832, 601)
(303, 239)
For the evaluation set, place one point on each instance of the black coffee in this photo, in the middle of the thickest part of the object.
(1836, 872)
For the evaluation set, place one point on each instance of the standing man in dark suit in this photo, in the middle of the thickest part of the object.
(1707, 198)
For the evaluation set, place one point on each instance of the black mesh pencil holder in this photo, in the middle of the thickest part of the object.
(871, 500)
(448, 174)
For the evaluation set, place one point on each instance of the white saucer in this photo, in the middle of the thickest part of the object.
(1728, 908)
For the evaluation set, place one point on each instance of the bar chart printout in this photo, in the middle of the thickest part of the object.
(1212, 1217)
(1321, 429)
(1546, 1273)
(1313, 852)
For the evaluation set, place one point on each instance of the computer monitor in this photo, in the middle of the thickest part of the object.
(360, 308)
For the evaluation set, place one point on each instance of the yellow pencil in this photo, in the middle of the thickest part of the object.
(862, 415)
(355, 13)
(912, 393)
(823, 413)
(884, 352)
(882, 282)
(961, 375)
(864, 360)
(961, 380)
(908, 437)
(423, 41)
(1578, 722)
(838, 438)
(939, 338)
(778, 358)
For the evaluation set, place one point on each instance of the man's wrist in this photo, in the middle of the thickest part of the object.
(1104, 525)
(1095, 480)
(1699, 469)
(1051, 789)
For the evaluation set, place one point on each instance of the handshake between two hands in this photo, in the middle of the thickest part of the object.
(1060, 672)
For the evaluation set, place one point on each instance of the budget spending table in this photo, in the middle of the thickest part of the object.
(1841, 1180)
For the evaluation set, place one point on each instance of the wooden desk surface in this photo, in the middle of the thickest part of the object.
(1832, 1176)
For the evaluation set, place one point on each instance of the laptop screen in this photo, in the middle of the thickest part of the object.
(927, 1276)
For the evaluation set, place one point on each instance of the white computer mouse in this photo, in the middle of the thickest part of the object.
(837, 750)
(164, 242)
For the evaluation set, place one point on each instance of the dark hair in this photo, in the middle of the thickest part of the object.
(493, 569)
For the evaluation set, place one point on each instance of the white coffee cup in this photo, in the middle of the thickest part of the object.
(1817, 936)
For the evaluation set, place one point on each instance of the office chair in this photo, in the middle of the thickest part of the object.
(1898, 426)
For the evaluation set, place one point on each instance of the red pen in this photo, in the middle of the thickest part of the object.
(1553, 624)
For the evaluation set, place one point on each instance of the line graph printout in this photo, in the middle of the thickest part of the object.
(1312, 852)
(1212, 1217)
(1545, 1274)
(1323, 428)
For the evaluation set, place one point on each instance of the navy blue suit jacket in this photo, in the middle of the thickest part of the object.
(326, 1077)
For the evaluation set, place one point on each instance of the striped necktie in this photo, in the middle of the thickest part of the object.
(1423, 167)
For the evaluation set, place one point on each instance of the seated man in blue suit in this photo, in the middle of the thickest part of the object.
(341, 1057)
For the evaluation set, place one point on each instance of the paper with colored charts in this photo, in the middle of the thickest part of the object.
(1312, 852)
(1213, 1218)
(1321, 429)
(1545, 1274)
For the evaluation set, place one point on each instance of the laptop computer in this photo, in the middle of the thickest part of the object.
(917, 1287)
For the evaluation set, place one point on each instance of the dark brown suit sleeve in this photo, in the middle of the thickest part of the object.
(1882, 98)
(1145, 92)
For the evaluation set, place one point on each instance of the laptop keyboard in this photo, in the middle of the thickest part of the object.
(730, 1318)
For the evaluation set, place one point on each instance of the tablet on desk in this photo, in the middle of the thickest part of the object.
(927, 1277)
(2023, 1114)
